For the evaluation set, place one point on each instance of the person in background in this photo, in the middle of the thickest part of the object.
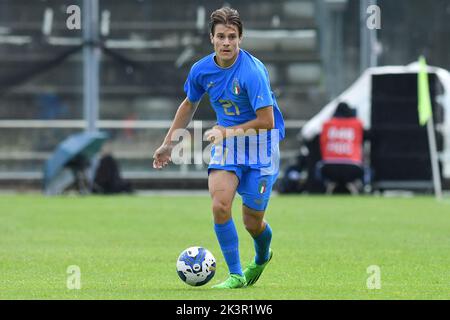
(341, 146)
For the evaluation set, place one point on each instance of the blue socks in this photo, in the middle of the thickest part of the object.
(262, 245)
(228, 239)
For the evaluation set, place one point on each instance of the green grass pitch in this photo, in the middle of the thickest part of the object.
(126, 247)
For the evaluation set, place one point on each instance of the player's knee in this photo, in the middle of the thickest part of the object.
(221, 208)
(222, 212)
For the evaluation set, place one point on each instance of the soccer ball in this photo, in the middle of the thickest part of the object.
(196, 266)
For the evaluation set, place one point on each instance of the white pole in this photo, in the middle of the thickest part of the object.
(434, 159)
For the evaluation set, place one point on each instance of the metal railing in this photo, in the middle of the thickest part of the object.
(182, 172)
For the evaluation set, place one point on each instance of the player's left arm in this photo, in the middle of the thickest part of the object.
(264, 121)
(260, 97)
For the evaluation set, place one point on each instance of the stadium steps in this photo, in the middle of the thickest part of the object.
(292, 57)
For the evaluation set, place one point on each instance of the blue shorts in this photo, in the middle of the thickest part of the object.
(255, 183)
(254, 188)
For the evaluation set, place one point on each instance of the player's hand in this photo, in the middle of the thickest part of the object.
(162, 157)
(215, 135)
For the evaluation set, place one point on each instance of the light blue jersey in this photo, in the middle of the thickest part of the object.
(236, 93)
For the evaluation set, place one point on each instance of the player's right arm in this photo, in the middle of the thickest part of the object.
(183, 117)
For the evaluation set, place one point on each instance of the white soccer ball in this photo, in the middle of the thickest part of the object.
(196, 266)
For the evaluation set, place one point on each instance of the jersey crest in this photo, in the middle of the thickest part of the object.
(262, 187)
(236, 87)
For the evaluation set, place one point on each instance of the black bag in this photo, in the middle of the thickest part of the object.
(107, 177)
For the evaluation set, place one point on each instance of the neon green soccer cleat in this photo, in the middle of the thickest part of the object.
(253, 270)
(235, 281)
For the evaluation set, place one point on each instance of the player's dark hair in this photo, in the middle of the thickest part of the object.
(226, 16)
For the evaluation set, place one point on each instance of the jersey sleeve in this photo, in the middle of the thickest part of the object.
(194, 91)
(258, 89)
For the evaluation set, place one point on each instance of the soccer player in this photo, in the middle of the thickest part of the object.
(245, 151)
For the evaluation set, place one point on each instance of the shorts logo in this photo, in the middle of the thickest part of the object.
(258, 201)
(236, 88)
(262, 186)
